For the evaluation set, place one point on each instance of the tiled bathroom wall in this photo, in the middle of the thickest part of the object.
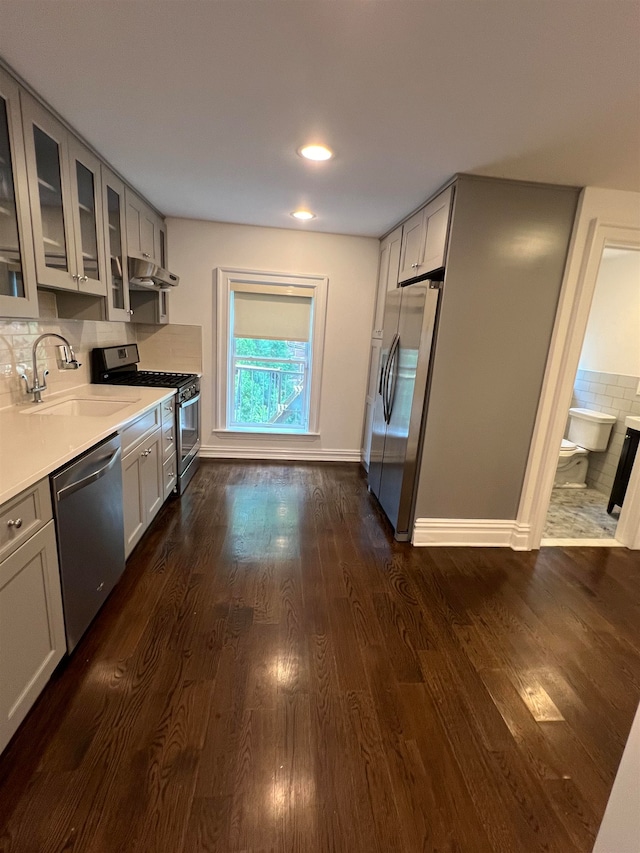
(168, 347)
(615, 395)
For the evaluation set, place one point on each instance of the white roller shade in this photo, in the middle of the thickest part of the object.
(269, 316)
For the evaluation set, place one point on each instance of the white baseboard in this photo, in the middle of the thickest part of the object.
(297, 454)
(471, 532)
(585, 543)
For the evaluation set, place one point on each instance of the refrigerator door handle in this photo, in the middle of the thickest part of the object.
(385, 387)
(384, 375)
(383, 367)
(391, 388)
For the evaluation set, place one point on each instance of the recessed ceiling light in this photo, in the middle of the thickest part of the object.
(303, 214)
(315, 152)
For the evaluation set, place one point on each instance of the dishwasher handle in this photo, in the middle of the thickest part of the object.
(90, 478)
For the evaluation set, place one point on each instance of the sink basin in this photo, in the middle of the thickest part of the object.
(80, 407)
(632, 422)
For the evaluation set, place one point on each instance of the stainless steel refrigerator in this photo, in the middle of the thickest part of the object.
(401, 400)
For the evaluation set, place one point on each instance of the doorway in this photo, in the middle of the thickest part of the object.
(591, 239)
(583, 507)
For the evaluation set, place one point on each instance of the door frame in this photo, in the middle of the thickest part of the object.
(562, 364)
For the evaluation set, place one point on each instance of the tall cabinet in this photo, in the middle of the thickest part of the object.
(499, 247)
(387, 280)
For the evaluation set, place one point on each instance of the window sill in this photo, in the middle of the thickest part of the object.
(270, 433)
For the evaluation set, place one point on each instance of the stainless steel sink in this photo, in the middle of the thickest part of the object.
(80, 407)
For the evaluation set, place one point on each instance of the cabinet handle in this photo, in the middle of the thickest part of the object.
(84, 278)
(170, 437)
(17, 523)
(146, 255)
(130, 312)
(75, 276)
(145, 453)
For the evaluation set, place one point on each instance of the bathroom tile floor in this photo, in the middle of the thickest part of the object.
(580, 514)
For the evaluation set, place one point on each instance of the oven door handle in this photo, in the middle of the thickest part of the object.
(189, 402)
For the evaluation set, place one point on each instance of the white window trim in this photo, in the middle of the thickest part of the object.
(315, 286)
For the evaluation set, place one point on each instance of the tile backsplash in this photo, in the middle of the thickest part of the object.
(170, 347)
(616, 395)
(183, 351)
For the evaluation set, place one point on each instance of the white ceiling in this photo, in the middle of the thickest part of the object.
(201, 105)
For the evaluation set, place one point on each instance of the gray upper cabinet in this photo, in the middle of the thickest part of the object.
(437, 214)
(143, 229)
(66, 204)
(86, 189)
(413, 233)
(424, 238)
(387, 275)
(113, 215)
(146, 239)
(18, 294)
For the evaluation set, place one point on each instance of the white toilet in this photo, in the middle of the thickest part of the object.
(587, 431)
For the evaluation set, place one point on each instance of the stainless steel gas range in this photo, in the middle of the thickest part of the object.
(118, 365)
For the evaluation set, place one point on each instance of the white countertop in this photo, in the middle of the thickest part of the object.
(33, 445)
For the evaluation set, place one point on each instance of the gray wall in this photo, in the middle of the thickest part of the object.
(616, 395)
(507, 251)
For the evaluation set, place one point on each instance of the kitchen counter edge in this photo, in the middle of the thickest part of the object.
(32, 446)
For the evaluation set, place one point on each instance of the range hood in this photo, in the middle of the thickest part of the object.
(145, 275)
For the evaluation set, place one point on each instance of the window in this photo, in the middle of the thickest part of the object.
(270, 342)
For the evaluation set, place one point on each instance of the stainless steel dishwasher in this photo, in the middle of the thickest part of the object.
(88, 511)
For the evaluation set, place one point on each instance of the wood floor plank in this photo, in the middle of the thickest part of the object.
(275, 674)
(296, 794)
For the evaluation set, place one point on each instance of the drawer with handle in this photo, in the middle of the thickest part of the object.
(23, 516)
(168, 411)
(168, 439)
(139, 428)
(169, 476)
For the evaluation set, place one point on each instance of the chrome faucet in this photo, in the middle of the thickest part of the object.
(66, 361)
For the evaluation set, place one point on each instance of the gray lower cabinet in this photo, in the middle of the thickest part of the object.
(149, 470)
(372, 388)
(169, 463)
(143, 488)
(32, 637)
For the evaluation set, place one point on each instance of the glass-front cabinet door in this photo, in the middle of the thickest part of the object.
(50, 192)
(18, 295)
(86, 191)
(163, 306)
(65, 187)
(115, 239)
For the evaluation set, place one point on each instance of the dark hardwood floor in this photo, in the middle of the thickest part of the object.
(275, 673)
